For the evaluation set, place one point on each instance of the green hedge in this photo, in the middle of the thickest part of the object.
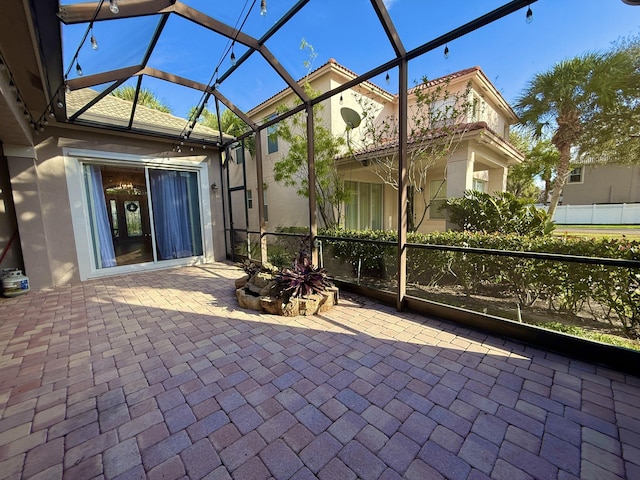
(565, 286)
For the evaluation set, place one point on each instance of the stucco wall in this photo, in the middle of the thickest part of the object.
(42, 205)
(604, 184)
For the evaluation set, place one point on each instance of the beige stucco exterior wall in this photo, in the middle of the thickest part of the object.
(41, 197)
(26, 197)
(604, 184)
(286, 207)
(8, 223)
(475, 158)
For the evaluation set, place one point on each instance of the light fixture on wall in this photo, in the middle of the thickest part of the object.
(214, 186)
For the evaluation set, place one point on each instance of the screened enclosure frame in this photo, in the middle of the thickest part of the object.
(49, 20)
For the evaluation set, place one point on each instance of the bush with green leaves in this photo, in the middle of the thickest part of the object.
(611, 292)
(501, 212)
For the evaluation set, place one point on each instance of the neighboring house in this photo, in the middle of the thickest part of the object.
(592, 183)
(479, 162)
(326, 77)
(599, 193)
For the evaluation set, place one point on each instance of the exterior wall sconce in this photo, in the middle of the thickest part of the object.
(214, 186)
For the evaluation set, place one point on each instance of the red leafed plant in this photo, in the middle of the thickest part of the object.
(302, 279)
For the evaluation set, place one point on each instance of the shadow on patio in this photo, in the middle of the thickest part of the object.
(161, 375)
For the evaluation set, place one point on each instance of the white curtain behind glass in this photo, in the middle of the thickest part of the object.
(106, 256)
(171, 214)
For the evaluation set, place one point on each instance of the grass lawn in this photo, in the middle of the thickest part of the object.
(599, 227)
(630, 232)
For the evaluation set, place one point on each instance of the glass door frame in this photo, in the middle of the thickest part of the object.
(75, 159)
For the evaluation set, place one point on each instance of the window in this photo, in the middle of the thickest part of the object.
(272, 137)
(438, 197)
(250, 203)
(479, 185)
(476, 107)
(575, 175)
(364, 208)
(239, 154)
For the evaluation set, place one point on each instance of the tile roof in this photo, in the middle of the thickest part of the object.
(116, 111)
(445, 78)
(466, 129)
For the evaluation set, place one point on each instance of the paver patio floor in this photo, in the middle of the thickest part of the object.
(160, 375)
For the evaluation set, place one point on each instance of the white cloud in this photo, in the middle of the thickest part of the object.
(389, 3)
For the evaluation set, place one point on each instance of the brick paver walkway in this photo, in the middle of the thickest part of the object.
(161, 375)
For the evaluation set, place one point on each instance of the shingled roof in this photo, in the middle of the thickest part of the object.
(113, 110)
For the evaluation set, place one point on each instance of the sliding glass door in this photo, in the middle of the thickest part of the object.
(142, 215)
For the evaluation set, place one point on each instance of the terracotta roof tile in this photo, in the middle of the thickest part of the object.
(445, 78)
(393, 144)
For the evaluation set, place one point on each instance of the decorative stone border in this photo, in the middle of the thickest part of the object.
(253, 294)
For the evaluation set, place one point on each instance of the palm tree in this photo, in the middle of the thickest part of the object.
(230, 123)
(145, 97)
(572, 98)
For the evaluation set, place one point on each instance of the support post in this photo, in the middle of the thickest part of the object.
(403, 220)
(313, 218)
(260, 189)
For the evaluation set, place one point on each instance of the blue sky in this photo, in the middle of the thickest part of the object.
(509, 51)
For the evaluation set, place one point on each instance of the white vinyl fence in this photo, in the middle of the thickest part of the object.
(598, 214)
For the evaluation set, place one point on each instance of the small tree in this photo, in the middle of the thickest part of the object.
(438, 121)
(293, 169)
(145, 97)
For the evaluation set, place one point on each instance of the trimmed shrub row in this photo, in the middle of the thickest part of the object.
(611, 293)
